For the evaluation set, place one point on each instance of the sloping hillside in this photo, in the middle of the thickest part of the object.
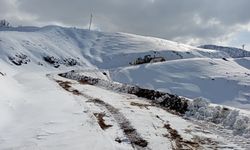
(232, 51)
(70, 46)
(220, 81)
(41, 109)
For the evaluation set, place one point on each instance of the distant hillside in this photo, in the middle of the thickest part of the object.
(58, 46)
(232, 51)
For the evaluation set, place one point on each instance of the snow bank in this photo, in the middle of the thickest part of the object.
(200, 109)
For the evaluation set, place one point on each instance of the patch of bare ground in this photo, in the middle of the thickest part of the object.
(76, 92)
(206, 142)
(83, 82)
(64, 84)
(140, 105)
(135, 139)
(101, 121)
(178, 142)
(67, 86)
(129, 131)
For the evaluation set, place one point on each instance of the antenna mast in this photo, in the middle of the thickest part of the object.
(90, 21)
(243, 46)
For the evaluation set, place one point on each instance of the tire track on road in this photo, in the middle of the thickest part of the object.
(129, 131)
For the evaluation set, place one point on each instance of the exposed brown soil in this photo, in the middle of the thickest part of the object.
(76, 92)
(67, 86)
(206, 141)
(64, 84)
(140, 105)
(128, 130)
(83, 82)
(178, 142)
(172, 104)
(101, 121)
(174, 136)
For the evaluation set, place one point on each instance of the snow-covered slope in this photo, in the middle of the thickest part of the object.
(40, 110)
(105, 50)
(220, 81)
(232, 51)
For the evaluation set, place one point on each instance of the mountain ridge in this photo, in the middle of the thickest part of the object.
(91, 47)
(232, 51)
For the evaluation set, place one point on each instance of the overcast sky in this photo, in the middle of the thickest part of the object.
(189, 21)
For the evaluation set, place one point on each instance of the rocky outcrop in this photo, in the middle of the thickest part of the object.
(171, 102)
(56, 62)
(19, 59)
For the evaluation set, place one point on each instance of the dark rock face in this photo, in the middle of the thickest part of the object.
(3, 74)
(224, 59)
(149, 94)
(70, 62)
(175, 103)
(176, 53)
(52, 60)
(169, 101)
(19, 59)
(4, 24)
(56, 62)
(147, 59)
(89, 80)
(82, 79)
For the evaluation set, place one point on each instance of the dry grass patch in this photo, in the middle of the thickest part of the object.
(178, 142)
(140, 105)
(101, 121)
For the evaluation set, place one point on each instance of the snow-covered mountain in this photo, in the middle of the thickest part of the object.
(232, 51)
(104, 50)
(95, 108)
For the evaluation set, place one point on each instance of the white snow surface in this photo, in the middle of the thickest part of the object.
(36, 113)
(220, 81)
(92, 48)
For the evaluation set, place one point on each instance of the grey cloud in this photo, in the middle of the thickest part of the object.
(5, 7)
(205, 20)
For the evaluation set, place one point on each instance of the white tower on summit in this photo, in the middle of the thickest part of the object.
(90, 21)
